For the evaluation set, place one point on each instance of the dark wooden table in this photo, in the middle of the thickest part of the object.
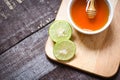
(23, 33)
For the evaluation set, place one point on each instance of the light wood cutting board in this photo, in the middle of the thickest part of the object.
(98, 54)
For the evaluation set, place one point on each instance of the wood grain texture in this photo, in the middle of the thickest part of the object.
(98, 54)
(26, 60)
(63, 72)
(24, 19)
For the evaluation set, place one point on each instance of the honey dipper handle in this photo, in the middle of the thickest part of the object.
(90, 9)
(91, 5)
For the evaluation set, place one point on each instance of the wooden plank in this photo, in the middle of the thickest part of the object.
(24, 19)
(26, 60)
(66, 73)
(98, 54)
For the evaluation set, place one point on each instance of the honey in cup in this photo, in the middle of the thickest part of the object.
(80, 18)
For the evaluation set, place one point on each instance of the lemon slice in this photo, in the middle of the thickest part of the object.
(64, 50)
(60, 30)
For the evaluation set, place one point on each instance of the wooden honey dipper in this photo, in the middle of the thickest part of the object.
(90, 9)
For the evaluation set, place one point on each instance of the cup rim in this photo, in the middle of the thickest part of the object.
(91, 32)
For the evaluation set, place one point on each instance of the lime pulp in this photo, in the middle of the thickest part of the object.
(64, 50)
(60, 30)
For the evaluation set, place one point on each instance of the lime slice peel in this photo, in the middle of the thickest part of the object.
(64, 50)
(60, 30)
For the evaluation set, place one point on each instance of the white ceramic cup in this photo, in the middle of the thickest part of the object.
(110, 6)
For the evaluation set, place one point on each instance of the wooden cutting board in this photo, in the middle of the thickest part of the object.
(98, 54)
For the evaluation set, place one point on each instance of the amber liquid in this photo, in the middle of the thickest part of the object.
(80, 18)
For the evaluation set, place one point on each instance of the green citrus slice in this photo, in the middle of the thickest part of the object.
(64, 50)
(60, 30)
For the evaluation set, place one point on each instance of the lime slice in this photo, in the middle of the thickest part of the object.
(64, 50)
(60, 30)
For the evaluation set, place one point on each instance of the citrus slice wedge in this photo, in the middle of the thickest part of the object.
(64, 50)
(60, 30)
